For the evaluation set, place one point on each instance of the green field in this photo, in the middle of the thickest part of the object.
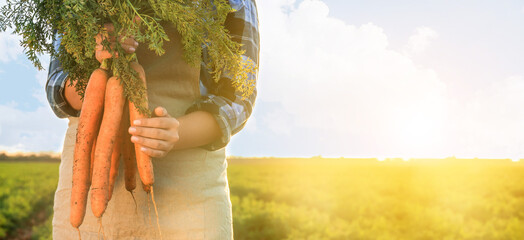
(26, 199)
(327, 199)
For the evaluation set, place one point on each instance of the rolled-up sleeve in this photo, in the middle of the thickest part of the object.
(56, 80)
(221, 99)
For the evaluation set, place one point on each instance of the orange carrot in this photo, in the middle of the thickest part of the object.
(88, 126)
(109, 128)
(115, 161)
(128, 153)
(92, 159)
(144, 164)
(146, 188)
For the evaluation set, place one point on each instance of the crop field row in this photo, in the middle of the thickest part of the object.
(327, 199)
(26, 199)
(364, 199)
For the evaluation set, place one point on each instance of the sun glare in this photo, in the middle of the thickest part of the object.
(419, 132)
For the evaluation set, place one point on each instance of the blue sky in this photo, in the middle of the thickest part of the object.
(348, 78)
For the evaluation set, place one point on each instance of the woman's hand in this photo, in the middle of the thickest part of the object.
(157, 135)
(129, 44)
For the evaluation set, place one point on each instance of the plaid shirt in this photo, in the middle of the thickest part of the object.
(220, 99)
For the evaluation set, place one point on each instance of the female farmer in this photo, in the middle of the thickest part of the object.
(193, 120)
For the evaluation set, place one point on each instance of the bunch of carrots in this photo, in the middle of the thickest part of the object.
(102, 137)
(102, 131)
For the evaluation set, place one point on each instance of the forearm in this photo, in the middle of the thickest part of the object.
(196, 129)
(161, 134)
(72, 97)
(229, 106)
(60, 95)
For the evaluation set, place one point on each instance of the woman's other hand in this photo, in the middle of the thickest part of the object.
(157, 135)
(128, 43)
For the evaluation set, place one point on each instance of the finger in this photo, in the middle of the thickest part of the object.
(103, 52)
(98, 38)
(103, 55)
(156, 122)
(101, 47)
(104, 36)
(137, 20)
(153, 152)
(128, 48)
(128, 41)
(151, 143)
(161, 112)
(109, 27)
(156, 133)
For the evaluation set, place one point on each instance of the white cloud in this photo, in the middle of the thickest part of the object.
(421, 40)
(9, 46)
(38, 130)
(343, 78)
(251, 125)
(344, 81)
(492, 123)
(278, 122)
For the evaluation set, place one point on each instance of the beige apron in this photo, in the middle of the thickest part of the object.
(191, 189)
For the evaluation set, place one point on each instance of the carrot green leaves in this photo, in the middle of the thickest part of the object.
(199, 22)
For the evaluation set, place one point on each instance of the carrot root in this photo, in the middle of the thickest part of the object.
(79, 235)
(156, 212)
(101, 228)
(136, 205)
(149, 210)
